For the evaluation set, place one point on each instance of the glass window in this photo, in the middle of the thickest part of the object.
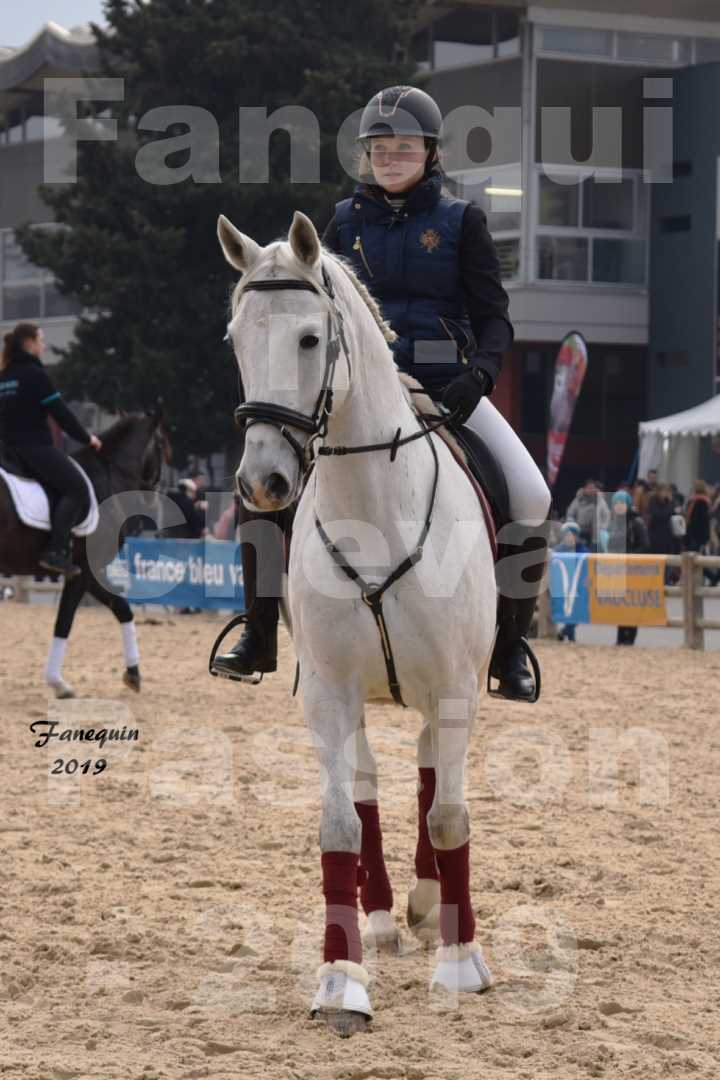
(507, 33)
(653, 47)
(449, 54)
(619, 261)
(16, 267)
(562, 258)
(559, 203)
(576, 40)
(509, 255)
(500, 195)
(707, 50)
(21, 302)
(608, 206)
(57, 304)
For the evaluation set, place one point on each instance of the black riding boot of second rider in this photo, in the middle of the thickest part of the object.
(522, 573)
(56, 554)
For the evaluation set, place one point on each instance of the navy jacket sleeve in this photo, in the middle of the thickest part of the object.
(45, 392)
(485, 298)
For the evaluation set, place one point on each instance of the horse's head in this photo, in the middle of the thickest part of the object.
(158, 451)
(280, 335)
(133, 452)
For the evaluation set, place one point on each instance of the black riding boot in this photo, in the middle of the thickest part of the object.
(515, 615)
(256, 649)
(55, 556)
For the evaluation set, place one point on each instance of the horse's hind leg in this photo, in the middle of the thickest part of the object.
(71, 595)
(375, 891)
(423, 908)
(460, 965)
(123, 613)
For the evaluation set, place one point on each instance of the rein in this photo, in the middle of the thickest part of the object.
(316, 425)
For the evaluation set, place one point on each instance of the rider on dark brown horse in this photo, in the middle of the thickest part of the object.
(27, 397)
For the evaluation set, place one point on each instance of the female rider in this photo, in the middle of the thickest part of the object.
(430, 261)
(27, 398)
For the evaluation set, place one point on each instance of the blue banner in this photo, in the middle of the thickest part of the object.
(569, 588)
(180, 573)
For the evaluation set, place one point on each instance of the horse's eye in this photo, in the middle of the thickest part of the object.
(309, 341)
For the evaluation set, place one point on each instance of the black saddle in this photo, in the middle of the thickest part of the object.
(486, 469)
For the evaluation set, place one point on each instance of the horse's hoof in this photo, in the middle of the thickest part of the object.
(131, 678)
(343, 1022)
(381, 933)
(423, 910)
(341, 999)
(61, 689)
(461, 969)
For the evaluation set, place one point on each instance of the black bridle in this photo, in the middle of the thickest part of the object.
(316, 426)
(280, 417)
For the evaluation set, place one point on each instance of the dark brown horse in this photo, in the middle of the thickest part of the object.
(123, 473)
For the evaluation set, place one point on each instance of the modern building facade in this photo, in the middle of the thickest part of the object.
(25, 291)
(592, 156)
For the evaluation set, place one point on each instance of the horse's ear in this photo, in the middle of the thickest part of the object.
(240, 251)
(304, 240)
(158, 410)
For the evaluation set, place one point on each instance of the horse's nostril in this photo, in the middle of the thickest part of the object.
(244, 489)
(277, 485)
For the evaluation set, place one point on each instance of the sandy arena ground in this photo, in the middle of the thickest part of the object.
(162, 919)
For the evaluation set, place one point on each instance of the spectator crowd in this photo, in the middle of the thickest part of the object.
(647, 516)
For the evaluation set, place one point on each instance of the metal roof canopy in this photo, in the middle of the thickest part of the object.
(701, 420)
(51, 52)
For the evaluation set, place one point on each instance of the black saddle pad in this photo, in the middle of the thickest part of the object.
(486, 469)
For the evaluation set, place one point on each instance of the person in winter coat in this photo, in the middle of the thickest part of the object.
(660, 511)
(697, 512)
(569, 544)
(185, 498)
(627, 535)
(590, 511)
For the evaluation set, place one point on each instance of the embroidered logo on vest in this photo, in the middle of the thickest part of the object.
(430, 240)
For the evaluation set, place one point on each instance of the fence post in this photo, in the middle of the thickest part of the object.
(693, 606)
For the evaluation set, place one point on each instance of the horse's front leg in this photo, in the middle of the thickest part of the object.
(460, 965)
(375, 891)
(334, 716)
(70, 597)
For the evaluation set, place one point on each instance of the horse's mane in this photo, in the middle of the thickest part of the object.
(277, 257)
(120, 429)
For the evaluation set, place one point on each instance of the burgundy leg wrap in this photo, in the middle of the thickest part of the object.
(425, 865)
(340, 884)
(375, 891)
(457, 921)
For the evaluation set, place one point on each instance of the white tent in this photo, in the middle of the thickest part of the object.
(671, 444)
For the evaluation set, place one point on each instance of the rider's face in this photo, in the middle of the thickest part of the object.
(397, 161)
(36, 345)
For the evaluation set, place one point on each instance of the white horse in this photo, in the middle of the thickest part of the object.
(315, 364)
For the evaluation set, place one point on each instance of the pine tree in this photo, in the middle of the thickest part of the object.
(142, 258)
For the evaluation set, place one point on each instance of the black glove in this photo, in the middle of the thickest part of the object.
(463, 393)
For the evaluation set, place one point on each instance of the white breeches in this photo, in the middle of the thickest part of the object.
(529, 494)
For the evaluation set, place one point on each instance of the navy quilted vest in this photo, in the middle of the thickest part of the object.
(410, 261)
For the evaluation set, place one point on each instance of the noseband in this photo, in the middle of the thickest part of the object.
(281, 418)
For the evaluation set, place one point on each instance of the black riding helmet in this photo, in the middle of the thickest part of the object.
(400, 110)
